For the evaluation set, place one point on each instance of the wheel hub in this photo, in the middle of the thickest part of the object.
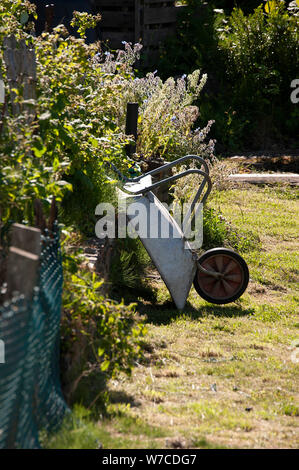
(221, 277)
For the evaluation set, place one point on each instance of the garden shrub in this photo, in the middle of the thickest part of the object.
(167, 116)
(100, 336)
(249, 54)
(260, 51)
(128, 270)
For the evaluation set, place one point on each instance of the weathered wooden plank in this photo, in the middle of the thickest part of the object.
(26, 238)
(134, 20)
(23, 260)
(115, 38)
(106, 4)
(264, 178)
(22, 272)
(153, 37)
(137, 26)
(2, 89)
(161, 3)
(20, 63)
(113, 3)
(117, 19)
(160, 15)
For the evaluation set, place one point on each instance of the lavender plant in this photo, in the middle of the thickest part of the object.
(166, 111)
(167, 116)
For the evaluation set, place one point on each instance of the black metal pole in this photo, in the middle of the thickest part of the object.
(131, 126)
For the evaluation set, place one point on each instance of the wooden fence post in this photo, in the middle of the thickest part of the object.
(49, 10)
(131, 126)
(137, 26)
(23, 260)
(20, 65)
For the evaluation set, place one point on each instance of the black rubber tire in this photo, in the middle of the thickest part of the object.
(242, 266)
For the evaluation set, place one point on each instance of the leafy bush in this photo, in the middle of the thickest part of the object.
(75, 132)
(167, 116)
(259, 50)
(250, 60)
(127, 273)
(100, 337)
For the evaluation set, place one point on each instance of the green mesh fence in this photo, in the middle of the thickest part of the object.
(30, 392)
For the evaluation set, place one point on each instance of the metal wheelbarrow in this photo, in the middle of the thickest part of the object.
(219, 275)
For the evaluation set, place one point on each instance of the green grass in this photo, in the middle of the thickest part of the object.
(81, 430)
(215, 376)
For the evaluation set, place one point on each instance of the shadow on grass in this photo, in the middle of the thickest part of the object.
(167, 312)
(121, 397)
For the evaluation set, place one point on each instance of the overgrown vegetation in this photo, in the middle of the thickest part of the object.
(250, 54)
(100, 337)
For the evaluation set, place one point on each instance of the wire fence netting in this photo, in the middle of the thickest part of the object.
(30, 392)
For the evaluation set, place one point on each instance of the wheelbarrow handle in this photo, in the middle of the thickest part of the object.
(160, 169)
(118, 172)
(207, 180)
(171, 164)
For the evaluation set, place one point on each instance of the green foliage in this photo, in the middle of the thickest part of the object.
(259, 50)
(250, 57)
(214, 229)
(83, 21)
(14, 15)
(63, 150)
(128, 270)
(106, 334)
(167, 116)
(219, 232)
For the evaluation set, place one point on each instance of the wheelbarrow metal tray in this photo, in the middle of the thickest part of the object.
(172, 256)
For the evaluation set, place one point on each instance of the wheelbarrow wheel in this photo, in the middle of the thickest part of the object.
(233, 280)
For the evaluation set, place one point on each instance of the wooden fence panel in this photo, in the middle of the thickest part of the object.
(115, 38)
(148, 21)
(123, 20)
(161, 3)
(159, 15)
(153, 37)
(104, 4)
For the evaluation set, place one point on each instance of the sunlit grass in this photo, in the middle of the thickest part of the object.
(215, 376)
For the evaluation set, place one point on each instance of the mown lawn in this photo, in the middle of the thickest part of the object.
(215, 376)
